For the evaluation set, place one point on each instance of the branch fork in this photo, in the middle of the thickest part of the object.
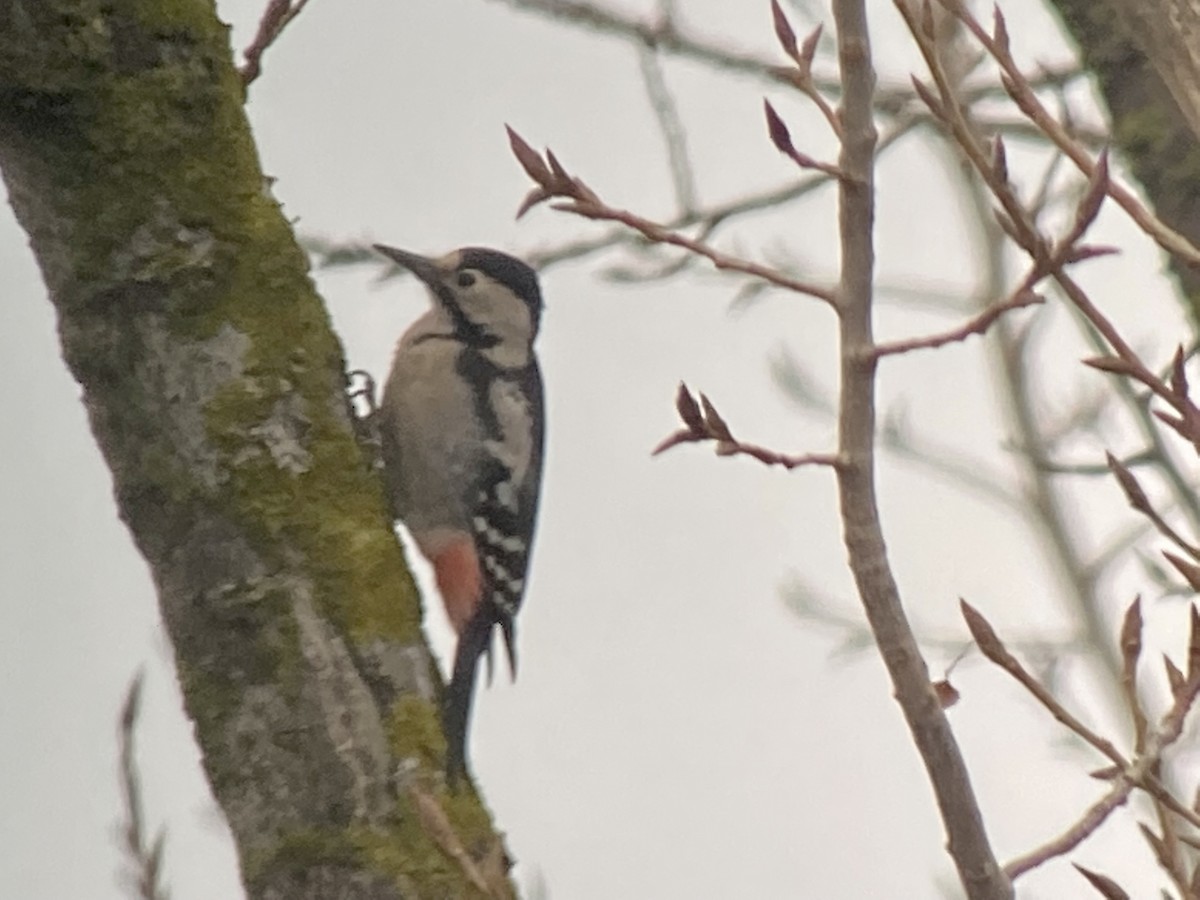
(702, 423)
(552, 180)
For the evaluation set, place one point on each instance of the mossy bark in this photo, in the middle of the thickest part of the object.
(1148, 127)
(216, 391)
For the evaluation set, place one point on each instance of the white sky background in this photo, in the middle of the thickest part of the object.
(676, 732)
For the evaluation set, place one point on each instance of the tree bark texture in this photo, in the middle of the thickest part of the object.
(1152, 127)
(216, 391)
(1168, 32)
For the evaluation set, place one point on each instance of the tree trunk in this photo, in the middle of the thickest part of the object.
(216, 391)
(1155, 122)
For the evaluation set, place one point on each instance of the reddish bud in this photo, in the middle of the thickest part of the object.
(808, 50)
(1114, 365)
(985, 636)
(783, 31)
(1189, 570)
(780, 136)
(926, 95)
(716, 425)
(1105, 886)
(1093, 198)
(1129, 484)
(1179, 381)
(999, 159)
(529, 159)
(1131, 639)
(688, 409)
(1000, 33)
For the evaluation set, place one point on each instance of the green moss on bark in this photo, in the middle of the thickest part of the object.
(406, 853)
(215, 388)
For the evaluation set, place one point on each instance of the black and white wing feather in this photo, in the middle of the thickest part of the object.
(503, 517)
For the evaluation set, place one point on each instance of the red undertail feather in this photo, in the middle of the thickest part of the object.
(459, 579)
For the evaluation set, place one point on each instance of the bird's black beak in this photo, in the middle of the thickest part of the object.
(422, 266)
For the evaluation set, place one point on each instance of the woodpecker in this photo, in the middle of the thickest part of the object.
(462, 424)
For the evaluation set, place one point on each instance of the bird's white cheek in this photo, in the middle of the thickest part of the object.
(506, 318)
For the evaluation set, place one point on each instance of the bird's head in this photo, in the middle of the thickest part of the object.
(491, 298)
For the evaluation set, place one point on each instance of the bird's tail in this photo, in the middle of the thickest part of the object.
(473, 642)
(508, 626)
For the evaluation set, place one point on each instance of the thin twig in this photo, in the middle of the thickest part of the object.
(671, 126)
(145, 857)
(815, 610)
(553, 180)
(800, 74)
(1157, 449)
(1027, 101)
(702, 423)
(276, 17)
(723, 261)
(1140, 772)
(992, 647)
(1129, 364)
(1076, 834)
(971, 474)
(782, 139)
(1017, 222)
(1153, 786)
(672, 38)
(978, 324)
(706, 220)
(1140, 502)
(1041, 498)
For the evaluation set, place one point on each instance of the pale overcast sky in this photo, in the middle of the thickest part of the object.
(676, 733)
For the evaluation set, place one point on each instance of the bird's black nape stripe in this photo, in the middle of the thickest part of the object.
(507, 270)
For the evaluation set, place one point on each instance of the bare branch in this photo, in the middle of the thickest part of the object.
(276, 17)
(1021, 228)
(1141, 772)
(554, 181)
(440, 830)
(1024, 95)
(782, 139)
(145, 857)
(706, 220)
(863, 535)
(664, 34)
(703, 423)
(1139, 501)
(710, 218)
(800, 75)
(993, 648)
(1128, 363)
(1076, 834)
(671, 126)
(787, 37)
(972, 474)
(977, 324)
(1016, 221)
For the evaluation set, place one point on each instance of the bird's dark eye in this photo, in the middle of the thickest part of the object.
(465, 279)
